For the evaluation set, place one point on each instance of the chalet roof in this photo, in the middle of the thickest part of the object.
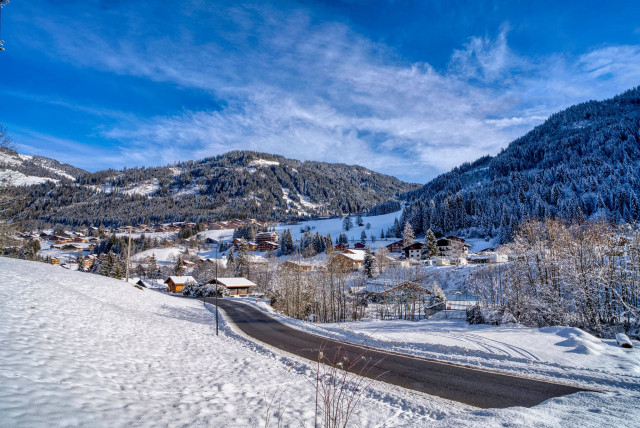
(235, 282)
(407, 285)
(414, 246)
(355, 255)
(181, 280)
(266, 235)
(269, 244)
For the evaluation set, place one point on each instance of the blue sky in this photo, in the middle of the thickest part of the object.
(410, 89)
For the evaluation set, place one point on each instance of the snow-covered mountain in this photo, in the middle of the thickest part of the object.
(237, 184)
(583, 162)
(24, 170)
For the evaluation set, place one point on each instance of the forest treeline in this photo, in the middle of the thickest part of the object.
(237, 184)
(582, 163)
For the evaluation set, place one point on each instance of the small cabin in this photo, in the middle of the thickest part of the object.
(177, 283)
(236, 286)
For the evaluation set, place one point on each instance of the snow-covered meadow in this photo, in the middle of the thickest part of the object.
(558, 353)
(84, 350)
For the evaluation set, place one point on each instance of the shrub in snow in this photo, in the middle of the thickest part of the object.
(474, 315)
(498, 316)
(206, 290)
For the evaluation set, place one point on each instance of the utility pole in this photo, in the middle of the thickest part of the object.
(128, 254)
(217, 288)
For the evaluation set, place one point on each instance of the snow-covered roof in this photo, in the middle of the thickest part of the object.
(236, 282)
(355, 255)
(182, 280)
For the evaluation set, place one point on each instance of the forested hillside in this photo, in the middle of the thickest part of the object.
(583, 162)
(236, 184)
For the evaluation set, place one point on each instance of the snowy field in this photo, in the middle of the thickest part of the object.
(563, 354)
(164, 256)
(84, 350)
(334, 227)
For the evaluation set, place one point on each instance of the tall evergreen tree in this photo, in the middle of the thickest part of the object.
(329, 246)
(408, 237)
(430, 249)
(241, 266)
(178, 269)
(367, 264)
(347, 224)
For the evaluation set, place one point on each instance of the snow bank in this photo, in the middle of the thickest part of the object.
(551, 353)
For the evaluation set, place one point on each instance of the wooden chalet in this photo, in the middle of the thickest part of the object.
(235, 286)
(296, 266)
(72, 247)
(413, 251)
(452, 246)
(268, 246)
(349, 259)
(341, 247)
(266, 237)
(241, 242)
(395, 247)
(359, 246)
(177, 283)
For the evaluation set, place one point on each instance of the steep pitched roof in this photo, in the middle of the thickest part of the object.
(181, 280)
(236, 282)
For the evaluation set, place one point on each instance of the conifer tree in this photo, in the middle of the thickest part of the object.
(329, 246)
(431, 248)
(408, 237)
(231, 259)
(153, 267)
(241, 266)
(347, 224)
(178, 269)
(367, 264)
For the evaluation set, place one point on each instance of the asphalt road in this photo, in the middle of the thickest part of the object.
(478, 388)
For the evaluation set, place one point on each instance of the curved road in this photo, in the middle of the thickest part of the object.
(471, 386)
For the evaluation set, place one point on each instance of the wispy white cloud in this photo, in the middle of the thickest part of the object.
(322, 92)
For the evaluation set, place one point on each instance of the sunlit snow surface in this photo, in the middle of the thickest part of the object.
(82, 350)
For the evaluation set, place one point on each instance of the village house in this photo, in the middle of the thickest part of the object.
(359, 246)
(266, 237)
(341, 247)
(349, 259)
(395, 247)
(486, 257)
(296, 266)
(235, 286)
(452, 246)
(413, 251)
(268, 246)
(72, 247)
(88, 261)
(177, 283)
(248, 245)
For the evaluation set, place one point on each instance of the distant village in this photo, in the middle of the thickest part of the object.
(209, 255)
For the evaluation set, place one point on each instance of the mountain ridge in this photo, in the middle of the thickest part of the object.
(234, 184)
(581, 163)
